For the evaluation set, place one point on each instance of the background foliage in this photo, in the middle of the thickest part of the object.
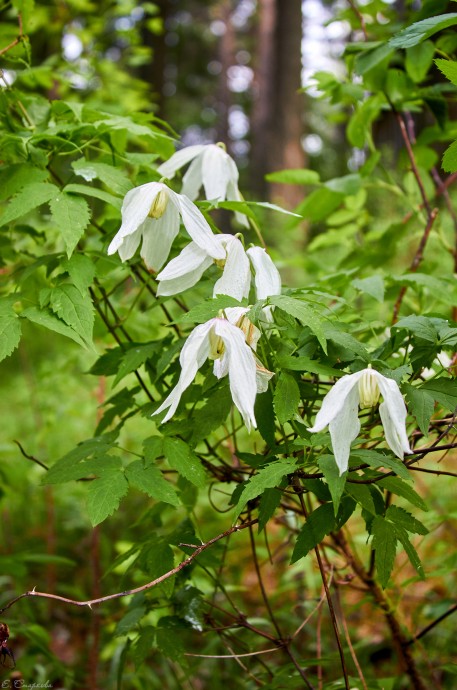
(96, 497)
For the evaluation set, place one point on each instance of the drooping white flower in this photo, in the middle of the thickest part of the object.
(225, 343)
(151, 213)
(340, 412)
(210, 167)
(237, 316)
(188, 267)
(267, 279)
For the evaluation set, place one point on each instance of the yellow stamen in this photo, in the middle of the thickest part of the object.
(159, 204)
(368, 389)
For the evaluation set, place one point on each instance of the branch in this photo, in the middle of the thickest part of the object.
(432, 624)
(136, 590)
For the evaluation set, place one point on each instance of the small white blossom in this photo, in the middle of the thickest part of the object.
(151, 213)
(188, 267)
(212, 168)
(225, 343)
(340, 412)
(266, 277)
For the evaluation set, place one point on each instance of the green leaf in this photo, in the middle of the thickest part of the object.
(286, 397)
(10, 328)
(184, 461)
(151, 481)
(362, 494)
(401, 517)
(209, 309)
(156, 559)
(14, 177)
(384, 545)
(45, 318)
(377, 460)
(299, 176)
(399, 488)
(347, 184)
(345, 340)
(130, 620)
(418, 32)
(373, 286)
(270, 500)
(64, 470)
(411, 552)
(95, 193)
(71, 214)
(318, 524)
(335, 482)
(114, 178)
(420, 404)
(265, 416)
(442, 390)
(420, 326)
(302, 363)
(105, 495)
(136, 355)
(213, 413)
(449, 162)
(81, 271)
(266, 478)
(372, 57)
(75, 309)
(419, 60)
(448, 68)
(29, 198)
(303, 313)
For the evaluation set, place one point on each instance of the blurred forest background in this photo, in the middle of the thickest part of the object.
(240, 72)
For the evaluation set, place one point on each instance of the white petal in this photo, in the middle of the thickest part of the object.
(179, 160)
(262, 376)
(221, 366)
(136, 206)
(234, 314)
(242, 370)
(158, 236)
(236, 277)
(192, 180)
(183, 271)
(335, 400)
(267, 278)
(197, 226)
(233, 193)
(344, 428)
(393, 416)
(194, 353)
(215, 172)
(126, 246)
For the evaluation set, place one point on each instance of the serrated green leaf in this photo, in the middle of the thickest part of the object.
(384, 545)
(112, 177)
(45, 318)
(104, 495)
(81, 271)
(144, 644)
(151, 480)
(418, 32)
(420, 326)
(95, 193)
(419, 60)
(74, 309)
(377, 460)
(448, 68)
(318, 524)
(266, 478)
(152, 448)
(335, 481)
(443, 390)
(449, 162)
(345, 340)
(401, 517)
(420, 404)
(373, 286)
(134, 357)
(299, 176)
(71, 214)
(184, 461)
(411, 552)
(10, 329)
(270, 500)
(399, 488)
(156, 559)
(265, 417)
(302, 363)
(304, 313)
(286, 397)
(213, 413)
(362, 494)
(64, 470)
(14, 177)
(130, 620)
(30, 197)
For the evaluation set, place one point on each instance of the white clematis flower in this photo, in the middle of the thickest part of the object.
(267, 279)
(223, 342)
(151, 213)
(188, 267)
(210, 167)
(340, 412)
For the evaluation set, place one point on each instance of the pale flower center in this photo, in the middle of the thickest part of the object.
(248, 329)
(159, 204)
(368, 389)
(216, 345)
